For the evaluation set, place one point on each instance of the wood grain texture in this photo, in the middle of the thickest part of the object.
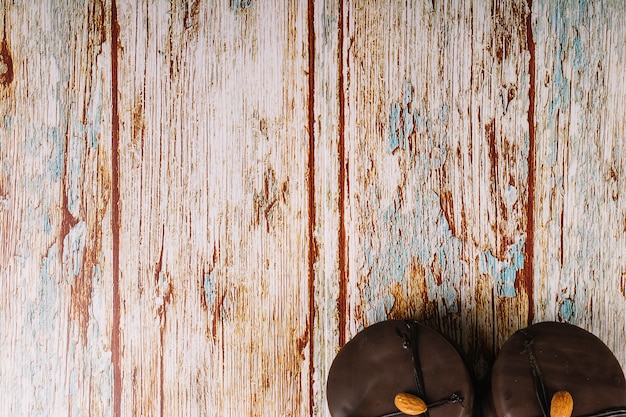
(55, 264)
(329, 261)
(437, 141)
(214, 235)
(581, 181)
(202, 201)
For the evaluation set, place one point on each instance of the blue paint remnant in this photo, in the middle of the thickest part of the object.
(404, 123)
(444, 114)
(95, 111)
(210, 290)
(385, 265)
(57, 158)
(560, 94)
(73, 250)
(48, 287)
(394, 127)
(240, 4)
(567, 310)
(76, 150)
(580, 56)
(96, 279)
(421, 122)
(504, 272)
(510, 196)
(47, 225)
(401, 121)
(93, 138)
(419, 233)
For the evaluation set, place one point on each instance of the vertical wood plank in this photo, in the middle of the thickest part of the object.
(55, 265)
(502, 135)
(437, 147)
(214, 153)
(329, 196)
(581, 207)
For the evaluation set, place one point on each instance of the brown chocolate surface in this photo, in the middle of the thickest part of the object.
(374, 366)
(569, 358)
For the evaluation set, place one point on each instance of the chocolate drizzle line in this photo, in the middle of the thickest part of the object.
(410, 342)
(540, 388)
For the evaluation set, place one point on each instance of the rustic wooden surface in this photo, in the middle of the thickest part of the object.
(201, 201)
(55, 206)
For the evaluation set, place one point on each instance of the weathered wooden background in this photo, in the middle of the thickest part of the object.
(201, 201)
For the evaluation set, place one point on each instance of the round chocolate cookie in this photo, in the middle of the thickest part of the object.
(393, 357)
(549, 358)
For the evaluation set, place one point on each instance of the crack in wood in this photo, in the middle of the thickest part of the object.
(342, 186)
(115, 216)
(527, 279)
(312, 255)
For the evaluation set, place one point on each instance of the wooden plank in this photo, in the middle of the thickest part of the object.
(55, 265)
(214, 220)
(581, 181)
(438, 148)
(503, 122)
(270, 178)
(329, 196)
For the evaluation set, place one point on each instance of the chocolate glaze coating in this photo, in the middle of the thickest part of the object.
(569, 358)
(375, 366)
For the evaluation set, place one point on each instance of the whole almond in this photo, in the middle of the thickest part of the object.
(562, 404)
(410, 404)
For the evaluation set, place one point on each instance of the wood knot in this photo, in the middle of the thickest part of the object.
(6, 64)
